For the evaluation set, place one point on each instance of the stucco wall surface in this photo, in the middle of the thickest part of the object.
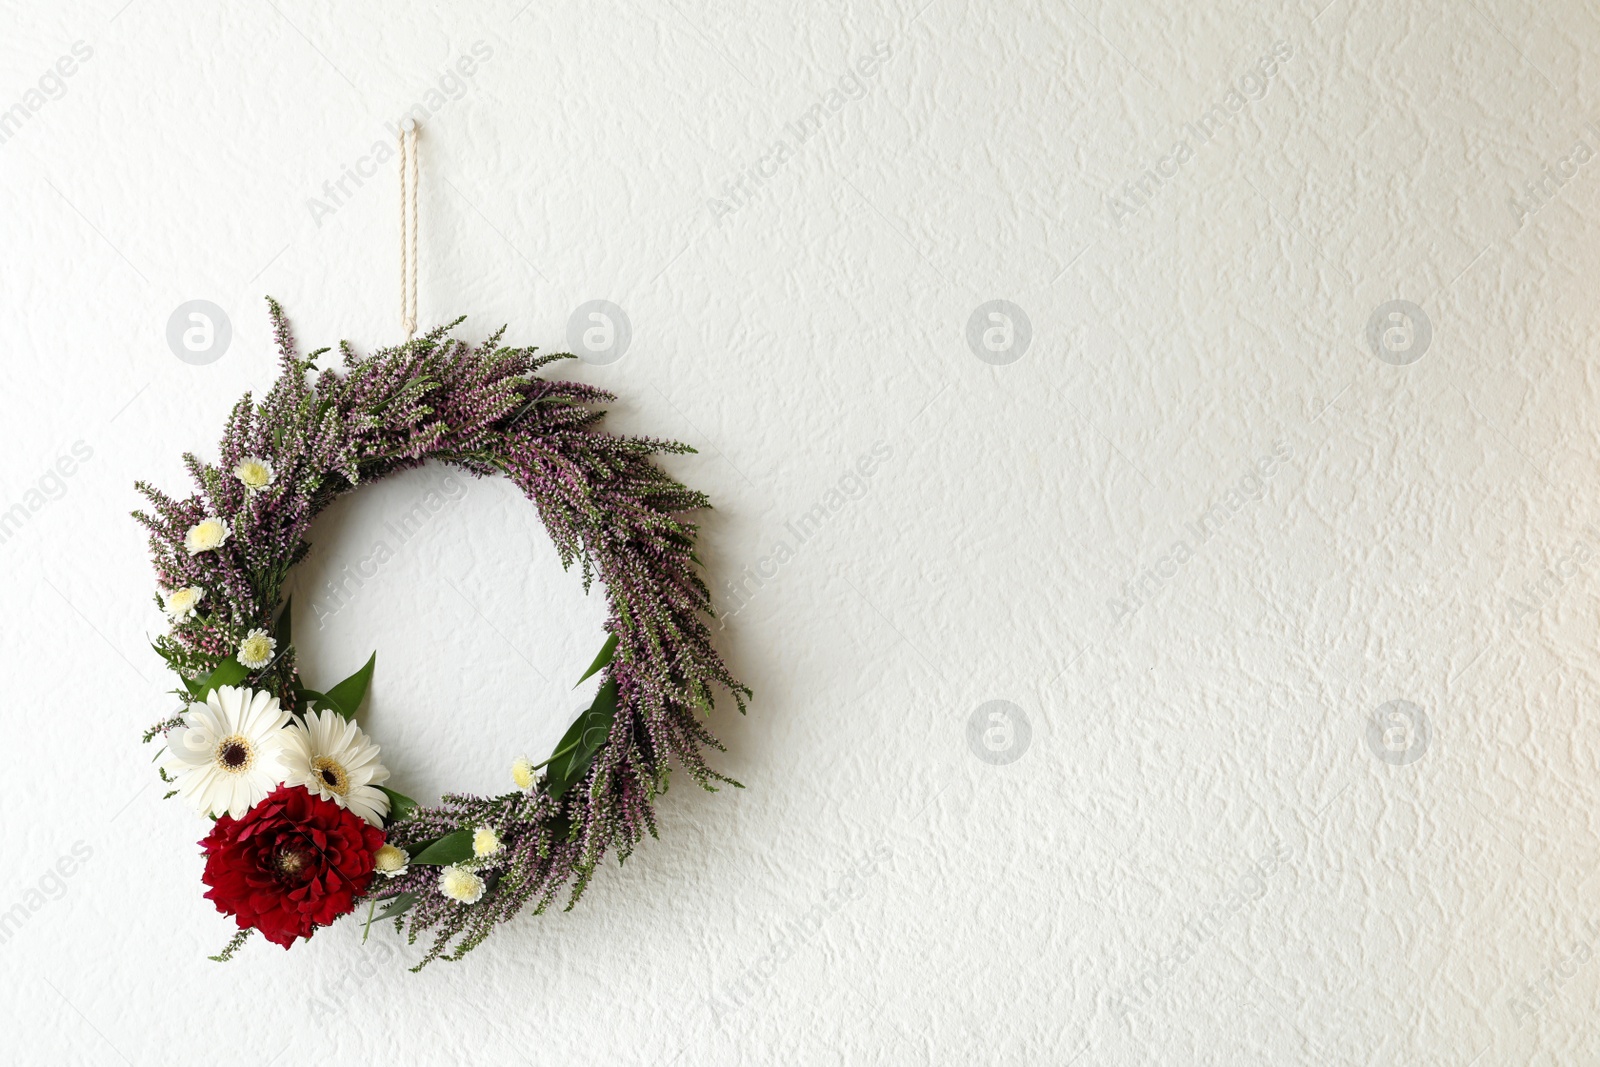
(1154, 453)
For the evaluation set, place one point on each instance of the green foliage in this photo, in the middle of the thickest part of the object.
(602, 660)
(400, 805)
(346, 697)
(398, 906)
(229, 672)
(234, 945)
(451, 848)
(583, 739)
(281, 629)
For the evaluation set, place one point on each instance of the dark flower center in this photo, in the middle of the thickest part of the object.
(289, 862)
(234, 754)
(331, 774)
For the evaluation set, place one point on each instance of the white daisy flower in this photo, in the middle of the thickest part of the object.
(331, 757)
(485, 842)
(460, 885)
(391, 860)
(256, 650)
(207, 534)
(229, 752)
(256, 473)
(522, 772)
(180, 603)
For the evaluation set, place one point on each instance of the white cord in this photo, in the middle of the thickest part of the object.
(408, 227)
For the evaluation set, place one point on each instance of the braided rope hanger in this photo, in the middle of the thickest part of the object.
(408, 227)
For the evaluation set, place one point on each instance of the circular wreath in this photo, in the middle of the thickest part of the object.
(305, 829)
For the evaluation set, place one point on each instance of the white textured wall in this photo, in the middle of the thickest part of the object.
(1198, 535)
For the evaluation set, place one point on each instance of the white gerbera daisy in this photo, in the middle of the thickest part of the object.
(332, 758)
(207, 534)
(391, 860)
(485, 842)
(256, 473)
(180, 603)
(229, 752)
(522, 772)
(256, 650)
(460, 885)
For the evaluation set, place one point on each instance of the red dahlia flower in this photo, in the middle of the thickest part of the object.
(292, 863)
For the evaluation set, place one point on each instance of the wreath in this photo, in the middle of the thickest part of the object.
(305, 829)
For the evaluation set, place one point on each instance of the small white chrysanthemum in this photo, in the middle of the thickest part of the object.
(229, 752)
(180, 603)
(391, 860)
(207, 534)
(255, 472)
(522, 772)
(460, 885)
(485, 842)
(256, 650)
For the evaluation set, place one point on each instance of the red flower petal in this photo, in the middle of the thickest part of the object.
(292, 863)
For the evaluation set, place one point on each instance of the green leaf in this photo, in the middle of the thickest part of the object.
(581, 741)
(346, 697)
(229, 672)
(400, 805)
(417, 848)
(280, 629)
(451, 848)
(398, 905)
(559, 401)
(609, 650)
(308, 698)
